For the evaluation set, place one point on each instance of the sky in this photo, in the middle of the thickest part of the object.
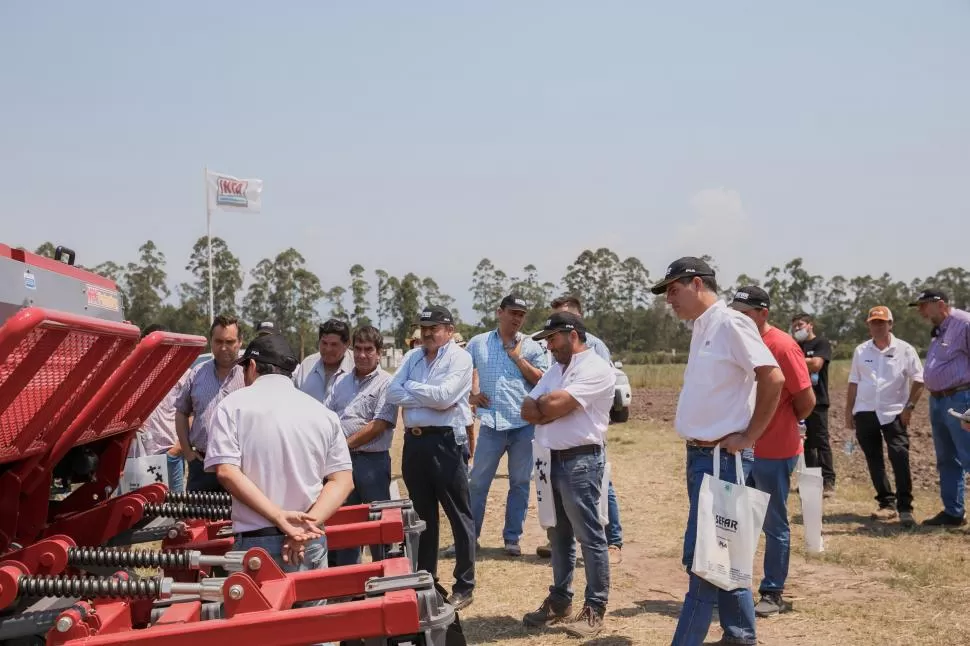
(424, 136)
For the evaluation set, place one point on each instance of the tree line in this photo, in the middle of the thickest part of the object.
(615, 292)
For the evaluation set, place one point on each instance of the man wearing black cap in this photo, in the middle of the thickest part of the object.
(776, 451)
(731, 389)
(432, 388)
(570, 407)
(282, 456)
(946, 375)
(508, 365)
(818, 356)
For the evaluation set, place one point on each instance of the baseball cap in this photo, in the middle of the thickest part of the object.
(750, 297)
(880, 313)
(560, 322)
(930, 296)
(514, 302)
(688, 266)
(266, 327)
(272, 349)
(436, 315)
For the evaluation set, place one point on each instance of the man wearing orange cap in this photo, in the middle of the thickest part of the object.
(885, 383)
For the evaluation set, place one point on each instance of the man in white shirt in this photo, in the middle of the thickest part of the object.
(732, 385)
(319, 372)
(282, 456)
(432, 387)
(885, 383)
(570, 407)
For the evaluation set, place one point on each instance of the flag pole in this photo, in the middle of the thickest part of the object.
(208, 238)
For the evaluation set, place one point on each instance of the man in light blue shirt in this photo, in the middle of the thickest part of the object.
(509, 365)
(432, 387)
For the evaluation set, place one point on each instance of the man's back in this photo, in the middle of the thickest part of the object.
(283, 440)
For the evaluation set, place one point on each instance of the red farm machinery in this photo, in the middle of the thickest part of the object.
(76, 383)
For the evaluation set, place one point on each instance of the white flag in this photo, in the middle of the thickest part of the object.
(233, 194)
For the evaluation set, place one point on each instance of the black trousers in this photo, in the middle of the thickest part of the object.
(434, 472)
(870, 434)
(818, 449)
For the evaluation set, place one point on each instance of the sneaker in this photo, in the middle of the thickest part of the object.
(547, 614)
(770, 604)
(828, 490)
(512, 548)
(544, 551)
(944, 519)
(588, 623)
(449, 552)
(616, 554)
(459, 600)
(906, 519)
(885, 514)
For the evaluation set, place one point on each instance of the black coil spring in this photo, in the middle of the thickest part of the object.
(88, 587)
(179, 510)
(111, 557)
(218, 498)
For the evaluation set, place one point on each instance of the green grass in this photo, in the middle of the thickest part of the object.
(672, 375)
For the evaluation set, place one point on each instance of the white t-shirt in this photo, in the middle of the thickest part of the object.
(591, 381)
(282, 439)
(719, 383)
(884, 377)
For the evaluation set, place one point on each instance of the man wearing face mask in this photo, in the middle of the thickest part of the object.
(946, 375)
(818, 355)
(432, 388)
(319, 372)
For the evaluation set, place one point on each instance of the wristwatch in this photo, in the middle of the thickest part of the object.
(909, 406)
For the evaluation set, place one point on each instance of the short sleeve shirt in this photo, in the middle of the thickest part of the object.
(781, 439)
(358, 401)
(201, 395)
(884, 377)
(819, 347)
(501, 380)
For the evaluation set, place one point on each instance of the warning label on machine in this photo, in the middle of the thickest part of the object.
(106, 299)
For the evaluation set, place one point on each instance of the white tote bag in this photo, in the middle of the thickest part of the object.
(729, 521)
(810, 493)
(543, 481)
(146, 470)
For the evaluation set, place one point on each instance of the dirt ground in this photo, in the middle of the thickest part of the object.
(874, 583)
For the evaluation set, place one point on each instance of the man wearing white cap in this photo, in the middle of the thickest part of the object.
(885, 383)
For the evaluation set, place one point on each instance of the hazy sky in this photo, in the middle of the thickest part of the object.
(422, 136)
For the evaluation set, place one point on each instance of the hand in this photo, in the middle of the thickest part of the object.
(966, 426)
(850, 421)
(736, 442)
(298, 526)
(293, 551)
(905, 416)
(515, 351)
(478, 399)
(175, 451)
(191, 455)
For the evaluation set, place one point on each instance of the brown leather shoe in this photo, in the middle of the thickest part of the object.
(588, 623)
(548, 614)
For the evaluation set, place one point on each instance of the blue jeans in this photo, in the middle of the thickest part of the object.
(491, 446)
(372, 482)
(614, 530)
(576, 488)
(736, 608)
(952, 445)
(176, 472)
(774, 478)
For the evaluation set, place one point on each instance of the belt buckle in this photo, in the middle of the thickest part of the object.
(416, 431)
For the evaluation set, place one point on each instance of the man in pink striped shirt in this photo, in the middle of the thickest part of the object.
(946, 375)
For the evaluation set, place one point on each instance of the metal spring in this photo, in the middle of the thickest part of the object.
(199, 498)
(88, 587)
(179, 510)
(113, 557)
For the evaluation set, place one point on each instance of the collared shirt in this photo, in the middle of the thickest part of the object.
(501, 380)
(359, 400)
(884, 377)
(948, 358)
(202, 394)
(596, 344)
(311, 375)
(434, 394)
(591, 381)
(282, 439)
(719, 382)
(157, 434)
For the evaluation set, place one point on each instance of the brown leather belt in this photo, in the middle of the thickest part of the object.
(703, 444)
(939, 394)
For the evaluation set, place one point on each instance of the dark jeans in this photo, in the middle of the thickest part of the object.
(870, 434)
(200, 480)
(818, 449)
(372, 482)
(435, 471)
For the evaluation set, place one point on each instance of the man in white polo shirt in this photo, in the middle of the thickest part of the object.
(570, 407)
(732, 385)
(885, 383)
(283, 457)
